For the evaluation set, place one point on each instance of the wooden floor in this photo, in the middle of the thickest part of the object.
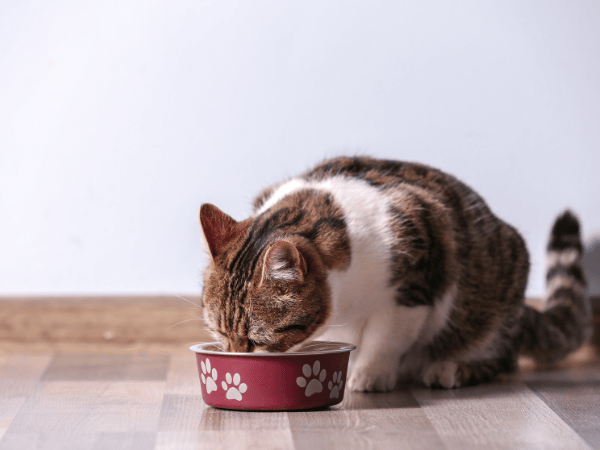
(100, 374)
(153, 401)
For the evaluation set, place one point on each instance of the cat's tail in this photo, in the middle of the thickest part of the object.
(564, 323)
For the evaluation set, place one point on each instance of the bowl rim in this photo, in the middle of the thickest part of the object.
(342, 347)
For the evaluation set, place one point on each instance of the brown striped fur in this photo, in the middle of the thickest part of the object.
(564, 324)
(245, 301)
(266, 287)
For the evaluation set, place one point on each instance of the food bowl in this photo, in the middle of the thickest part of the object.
(314, 376)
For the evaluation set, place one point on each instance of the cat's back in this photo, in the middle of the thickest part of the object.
(336, 189)
(405, 217)
(369, 177)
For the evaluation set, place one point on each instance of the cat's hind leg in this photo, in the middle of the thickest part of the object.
(452, 374)
(494, 355)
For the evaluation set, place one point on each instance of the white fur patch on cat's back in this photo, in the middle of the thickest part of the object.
(365, 211)
(365, 208)
(285, 189)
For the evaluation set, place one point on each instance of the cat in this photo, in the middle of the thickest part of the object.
(400, 259)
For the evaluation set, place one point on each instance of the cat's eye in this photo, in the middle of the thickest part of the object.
(254, 344)
(296, 327)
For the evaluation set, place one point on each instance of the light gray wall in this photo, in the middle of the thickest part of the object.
(119, 118)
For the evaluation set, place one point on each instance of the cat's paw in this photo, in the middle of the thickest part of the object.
(444, 374)
(372, 378)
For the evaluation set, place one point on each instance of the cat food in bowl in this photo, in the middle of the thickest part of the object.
(313, 376)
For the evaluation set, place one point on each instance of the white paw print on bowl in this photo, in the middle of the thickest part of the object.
(209, 378)
(315, 385)
(335, 386)
(234, 392)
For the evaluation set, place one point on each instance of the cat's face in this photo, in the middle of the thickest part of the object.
(262, 292)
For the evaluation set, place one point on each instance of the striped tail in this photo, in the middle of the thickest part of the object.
(565, 322)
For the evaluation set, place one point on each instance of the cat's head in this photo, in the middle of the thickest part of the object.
(263, 291)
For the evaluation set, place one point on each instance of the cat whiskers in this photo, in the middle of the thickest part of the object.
(200, 319)
(189, 301)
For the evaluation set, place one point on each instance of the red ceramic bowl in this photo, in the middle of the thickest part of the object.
(312, 377)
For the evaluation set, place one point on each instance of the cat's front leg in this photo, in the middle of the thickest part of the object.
(386, 336)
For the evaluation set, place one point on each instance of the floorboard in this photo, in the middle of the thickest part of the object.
(96, 384)
(115, 401)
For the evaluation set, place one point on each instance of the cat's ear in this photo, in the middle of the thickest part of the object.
(283, 262)
(218, 228)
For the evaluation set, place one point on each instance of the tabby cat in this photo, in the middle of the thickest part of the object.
(401, 259)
